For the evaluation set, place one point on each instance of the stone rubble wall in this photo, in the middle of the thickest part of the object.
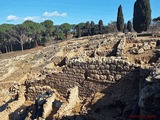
(121, 45)
(67, 109)
(47, 107)
(92, 75)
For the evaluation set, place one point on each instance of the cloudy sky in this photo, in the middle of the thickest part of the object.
(71, 11)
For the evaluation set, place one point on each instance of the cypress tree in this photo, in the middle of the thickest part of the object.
(78, 31)
(142, 15)
(100, 26)
(88, 28)
(92, 27)
(125, 28)
(120, 19)
(129, 26)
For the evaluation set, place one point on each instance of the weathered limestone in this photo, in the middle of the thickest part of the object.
(47, 107)
(120, 48)
(90, 76)
(67, 108)
(4, 115)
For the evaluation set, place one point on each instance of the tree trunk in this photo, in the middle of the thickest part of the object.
(22, 46)
(11, 47)
(6, 49)
(36, 43)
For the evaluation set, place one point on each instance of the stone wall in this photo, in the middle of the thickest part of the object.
(92, 75)
(120, 47)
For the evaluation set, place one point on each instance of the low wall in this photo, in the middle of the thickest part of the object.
(93, 75)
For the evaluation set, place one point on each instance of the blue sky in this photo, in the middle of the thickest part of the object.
(70, 11)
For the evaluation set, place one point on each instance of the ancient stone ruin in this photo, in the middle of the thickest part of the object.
(102, 77)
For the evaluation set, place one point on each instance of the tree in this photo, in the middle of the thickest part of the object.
(120, 19)
(65, 27)
(156, 19)
(59, 35)
(33, 31)
(155, 24)
(82, 28)
(48, 27)
(92, 27)
(125, 28)
(78, 31)
(5, 37)
(142, 15)
(129, 26)
(88, 28)
(19, 34)
(100, 26)
(111, 27)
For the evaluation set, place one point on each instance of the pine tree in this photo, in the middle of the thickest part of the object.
(129, 26)
(142, 15)
(120, 19)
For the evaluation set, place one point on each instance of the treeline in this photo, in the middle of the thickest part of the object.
(24, 36)
(30, 34)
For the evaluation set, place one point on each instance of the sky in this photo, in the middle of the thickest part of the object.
(70, 11)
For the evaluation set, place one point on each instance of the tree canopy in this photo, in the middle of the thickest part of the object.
(120, 19)
(142, 15)
(129, 26)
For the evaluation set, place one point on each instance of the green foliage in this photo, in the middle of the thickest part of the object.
(81, 25)
(111, 27)
(120, 19)
(32, 28)
(4, 28)
(81, 30)
(78, 31)
(88, 28)
(129, 26)
(142, 15)
(24, 36)
(156, 19)
(65, 27)
(5, 36)
(60, 35)
(125, 28)
(92, 27)
(100, 26)
(48, 27)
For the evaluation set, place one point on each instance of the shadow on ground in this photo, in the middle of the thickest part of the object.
(119, 103)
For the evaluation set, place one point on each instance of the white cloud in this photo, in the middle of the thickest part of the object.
(33, 18)
(54, 14)
(12, 18)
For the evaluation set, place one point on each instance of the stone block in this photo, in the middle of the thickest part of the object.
(92, 67)
(111, 78)
(140, 51)
(103, 77)
(118, 77)
(112, 67)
